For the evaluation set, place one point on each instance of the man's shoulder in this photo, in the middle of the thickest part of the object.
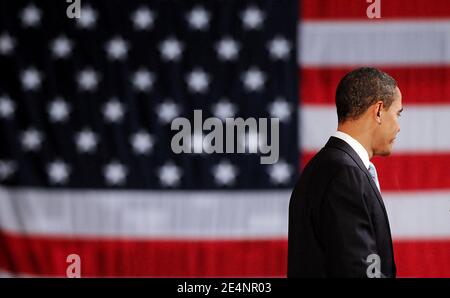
(331, 166)
(332, 157)
(328, 164)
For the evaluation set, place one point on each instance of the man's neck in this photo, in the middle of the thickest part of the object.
(358, 134)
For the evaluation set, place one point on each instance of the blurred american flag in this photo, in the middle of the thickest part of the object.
(85, 109)
(86, 161)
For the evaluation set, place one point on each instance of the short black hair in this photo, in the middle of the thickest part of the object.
(361, 88)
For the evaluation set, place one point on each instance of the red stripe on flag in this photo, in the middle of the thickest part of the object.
(399, 172)
(398, 9)
(429, 258)
(419, 85)
(32, 255)
(138, 258)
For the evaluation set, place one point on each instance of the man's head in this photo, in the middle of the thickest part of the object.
(368, 103)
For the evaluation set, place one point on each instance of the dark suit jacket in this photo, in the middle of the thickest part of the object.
(337, 218)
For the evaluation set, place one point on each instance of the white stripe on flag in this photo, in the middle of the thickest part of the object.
(386, 42)
(186, 215)
(162, 214)
(7, 274)
(414, 215)
(422, 128)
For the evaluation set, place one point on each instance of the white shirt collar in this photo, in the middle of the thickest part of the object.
(359, 149)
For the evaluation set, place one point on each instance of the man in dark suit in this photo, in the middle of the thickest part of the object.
(338, 225)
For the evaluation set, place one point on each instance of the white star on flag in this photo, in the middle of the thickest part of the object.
(143, 18)
(141, 142)
(86, 141)
(143, 80)
(280, 109)
(225, 173)
(171, 49)
(61, 47)
(113, 110)
(115, 173)
(7, 169)
(197, 143)
(31, 139)
(7, 44)
(279, 48)
(88, 79)
(58, 172)
(252, 18)
(252, 140)
(88, 17)
(224, 109)
(31, 16)
(198, 81)
(169, 175)
(7, 107)
(253, 79)
(227, 49)
(198, 18)
(167, 111)
(31, 79)
(280, 172)
(117, 48)
(58, 110)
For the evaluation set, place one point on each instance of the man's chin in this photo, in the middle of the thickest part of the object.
(385, 152)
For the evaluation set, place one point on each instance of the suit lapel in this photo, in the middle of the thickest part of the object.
(342, 145)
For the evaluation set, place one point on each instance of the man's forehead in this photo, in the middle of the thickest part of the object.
(398, 96)
(398, 92)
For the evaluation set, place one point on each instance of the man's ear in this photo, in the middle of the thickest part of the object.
(378, 110)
